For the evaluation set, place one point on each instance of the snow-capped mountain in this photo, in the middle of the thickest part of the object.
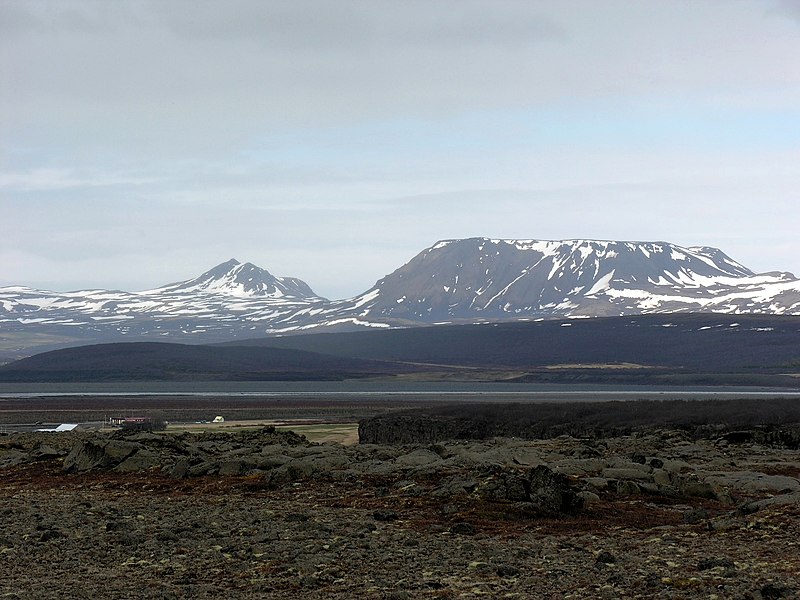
(243, 280)
(229, 300)
(469, 280)
(480, 278)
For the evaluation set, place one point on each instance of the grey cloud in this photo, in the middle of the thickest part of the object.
(180, 75)
(139, 127)
(288, 24)
(56, 16)
(360, 24)
(790, 8)
(16, 18)
(262, 64)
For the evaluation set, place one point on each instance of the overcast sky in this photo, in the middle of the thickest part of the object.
(144, 141)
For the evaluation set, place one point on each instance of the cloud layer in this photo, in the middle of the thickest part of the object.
(144, 141)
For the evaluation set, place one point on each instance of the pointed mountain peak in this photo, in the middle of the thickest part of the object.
(233, 278)
(224, 267)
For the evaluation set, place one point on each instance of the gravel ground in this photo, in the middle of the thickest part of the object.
(403, 522)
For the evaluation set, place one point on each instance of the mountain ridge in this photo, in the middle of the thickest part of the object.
(499, 279)
(453, 281)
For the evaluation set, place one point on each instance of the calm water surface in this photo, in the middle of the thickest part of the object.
(509, 392)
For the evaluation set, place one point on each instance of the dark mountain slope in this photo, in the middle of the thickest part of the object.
(665, 349)
(700, 342)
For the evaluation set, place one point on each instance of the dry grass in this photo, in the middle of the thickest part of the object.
(340, 433)
(624, 365)
(314, 430)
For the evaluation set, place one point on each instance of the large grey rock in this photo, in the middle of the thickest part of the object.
(507, 487)
(140, 461)
(539, 491)
(454, 486)
(295, 470)
(550, 492)
(597, 483)
(578, 467)
(627, 474)
(45, 452)
(791, 499)
(692, 486)
(231, 467)
(588, 497)
(417, 458)
(662, 477)
(99, 453)
(180, 469)
(754, 481)
(12, 458)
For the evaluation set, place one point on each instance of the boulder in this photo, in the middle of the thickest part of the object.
(231, 467)
(139, 461)
(790, 499)
(627, 474)
(417, 458)
(295, 470)
(98, 454)
(754, 481)
(180, 469)
(506, 487)
(540, 491)
(550, 492)
(45, 452)
(454, 486)
(11, 458)
(627, 488)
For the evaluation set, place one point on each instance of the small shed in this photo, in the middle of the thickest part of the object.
(62, 427)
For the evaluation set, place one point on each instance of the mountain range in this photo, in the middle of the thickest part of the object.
(454, 281)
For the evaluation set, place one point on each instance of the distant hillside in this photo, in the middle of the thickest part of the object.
(694, 349)
(686, 344)
(159, 361)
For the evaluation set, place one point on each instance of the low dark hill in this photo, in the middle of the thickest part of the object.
(159, 361)
(688, 349)
(691, 342)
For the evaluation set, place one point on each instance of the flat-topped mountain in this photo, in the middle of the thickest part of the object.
(453, 281)
(502, 279)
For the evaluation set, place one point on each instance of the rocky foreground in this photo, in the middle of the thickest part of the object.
(265, 514)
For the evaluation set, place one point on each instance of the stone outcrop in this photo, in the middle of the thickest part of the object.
(544, 422)
(268, 514)
(527, 477)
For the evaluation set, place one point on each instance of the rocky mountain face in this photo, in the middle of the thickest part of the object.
(470, 280)
(479, 278)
